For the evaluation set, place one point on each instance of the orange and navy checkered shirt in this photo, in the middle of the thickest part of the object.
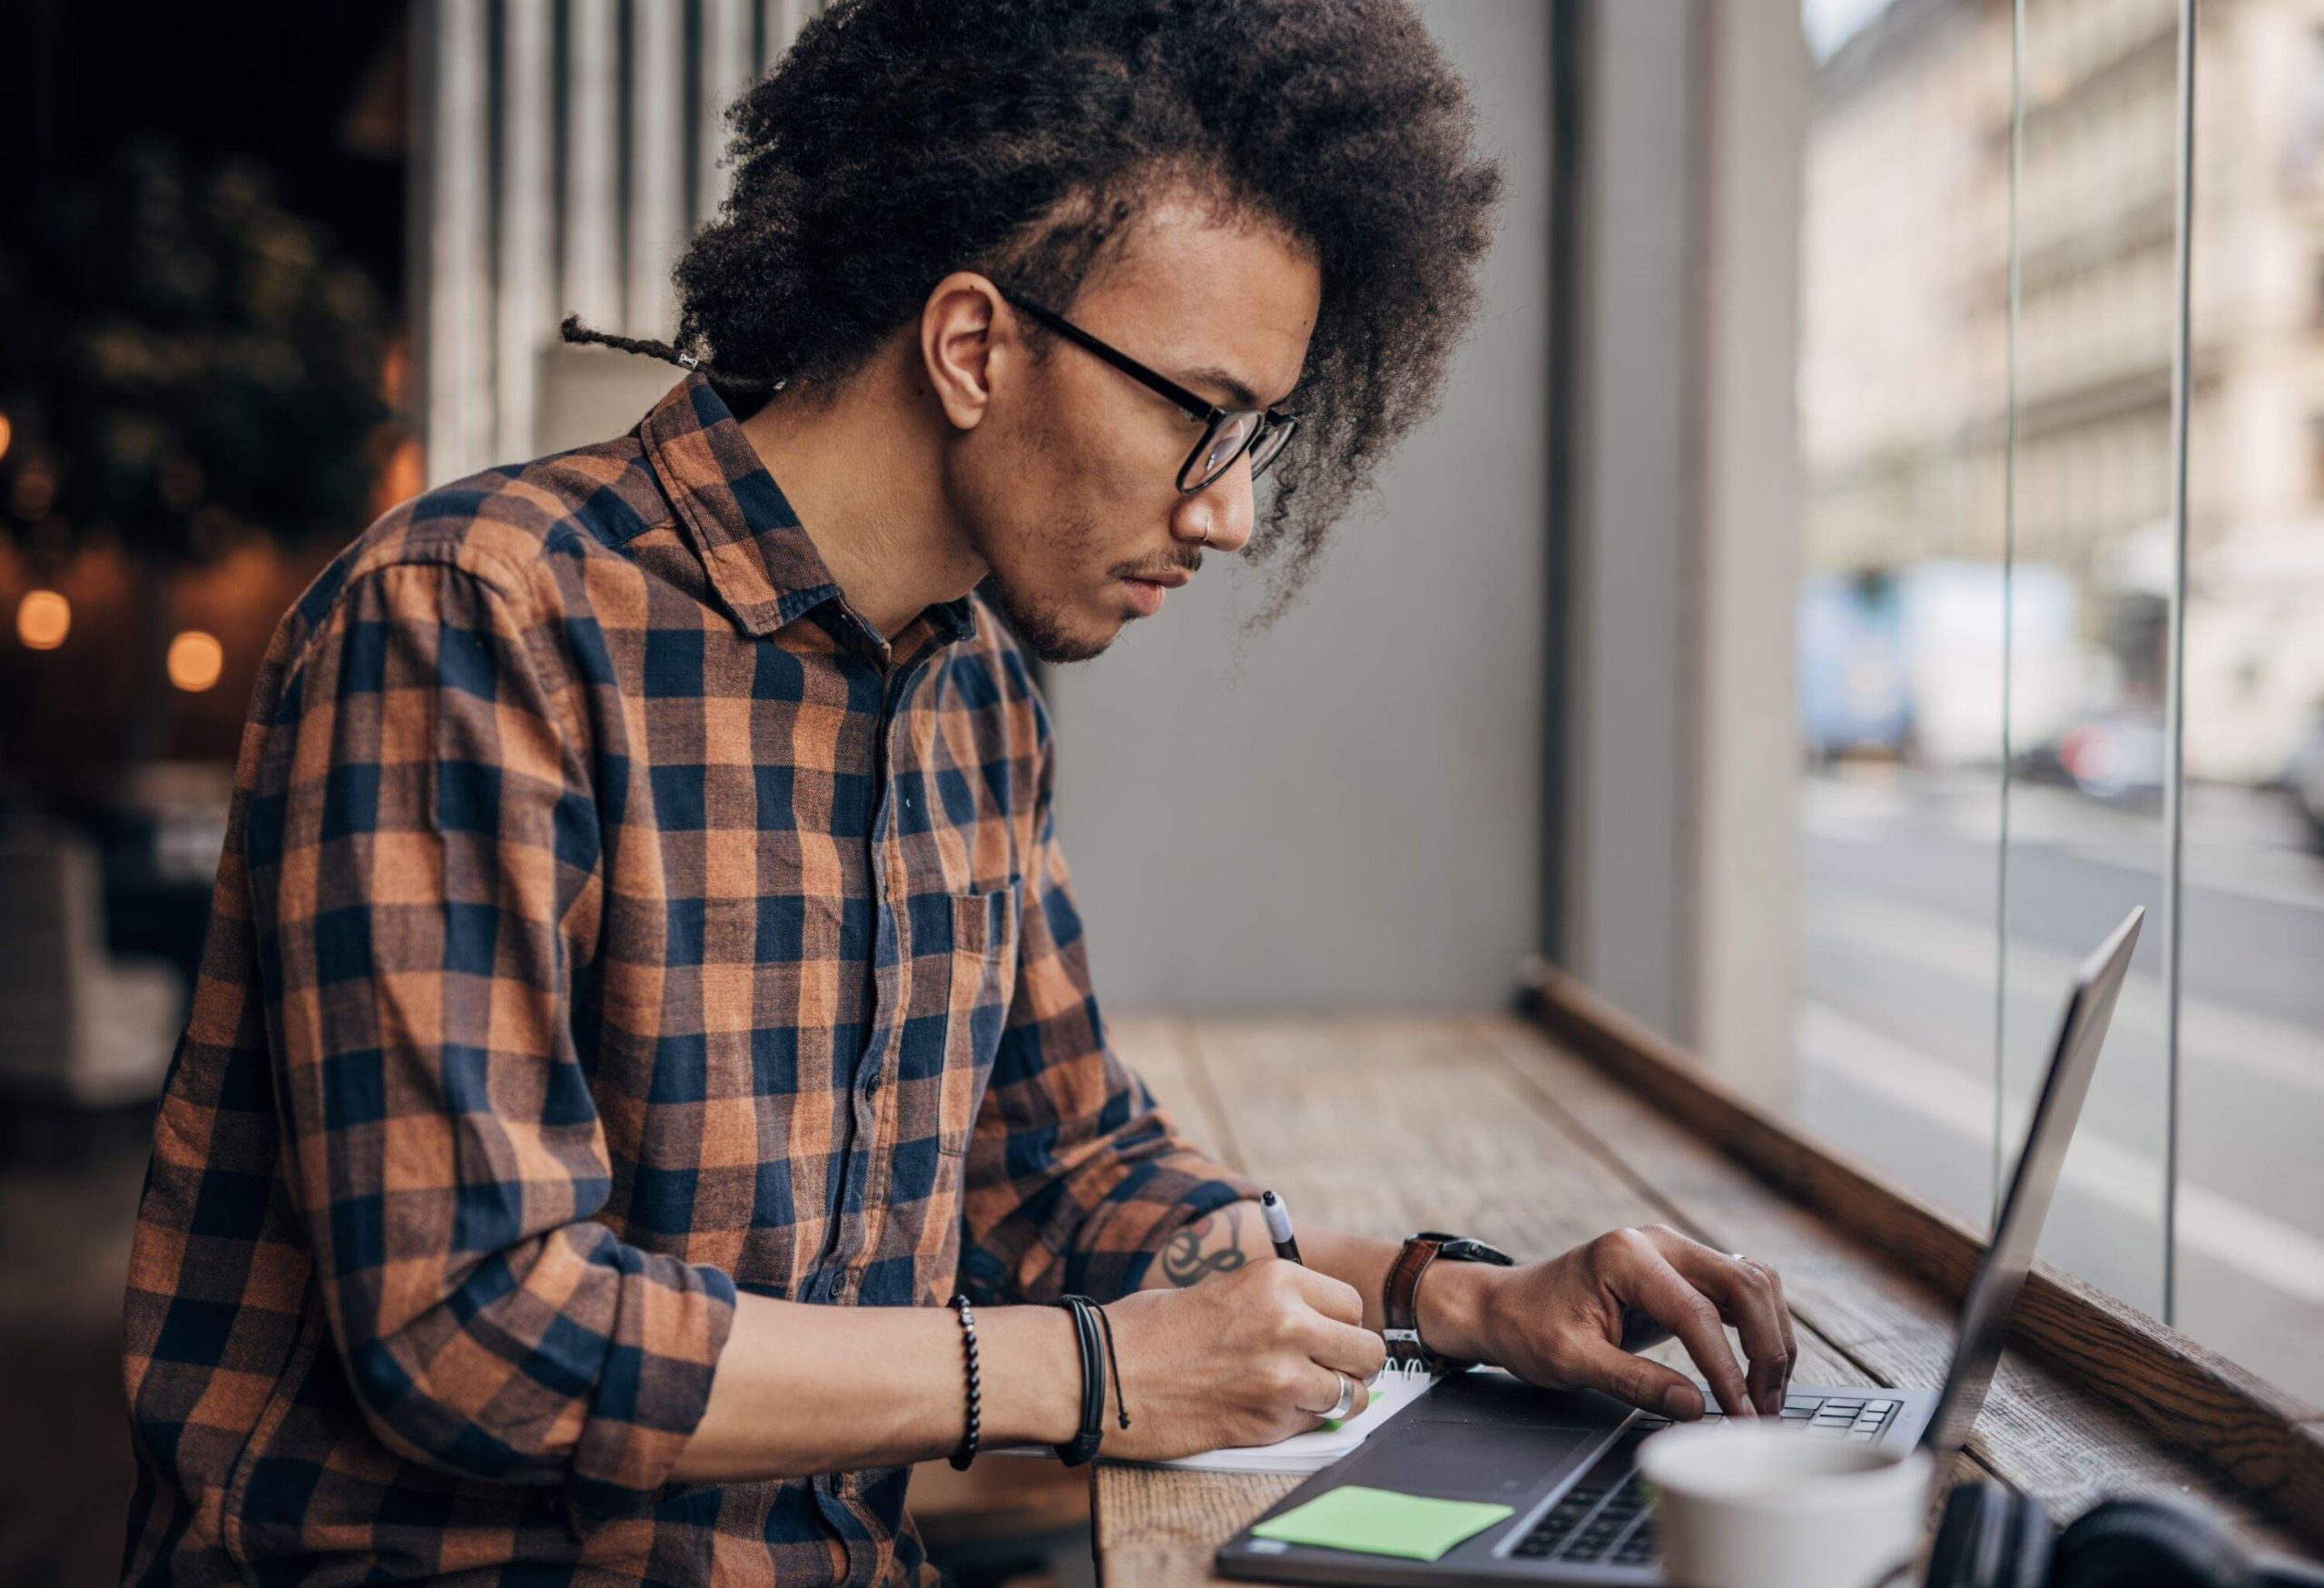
(608, 919)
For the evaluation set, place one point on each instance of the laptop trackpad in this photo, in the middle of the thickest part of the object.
(1490, 1395)
(1460, 1460)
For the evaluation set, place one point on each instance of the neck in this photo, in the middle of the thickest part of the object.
(863, 472)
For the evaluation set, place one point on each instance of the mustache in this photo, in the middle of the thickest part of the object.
(1188, 561)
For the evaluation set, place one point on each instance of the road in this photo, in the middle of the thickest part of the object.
(1901, 981)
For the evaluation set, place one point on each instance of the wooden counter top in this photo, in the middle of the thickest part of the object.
(1389, 1125)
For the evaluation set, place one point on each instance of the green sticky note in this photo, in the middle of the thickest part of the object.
(1381, 1522)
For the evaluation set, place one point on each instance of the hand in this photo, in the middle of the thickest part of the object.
(1246, 1358)
(1559, 1324)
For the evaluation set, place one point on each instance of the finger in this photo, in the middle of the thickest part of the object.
(1752, 1303)
(1783, 1312)
(1790, 1340)
(1689, 1314)
(1356, 1352)
(1596, 1363)
(1335, 1298)
(1320, 1390)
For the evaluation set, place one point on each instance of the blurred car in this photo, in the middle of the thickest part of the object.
(1851, 694)
(2122, 757)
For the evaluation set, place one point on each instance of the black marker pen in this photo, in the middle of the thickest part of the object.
(1279, 1217)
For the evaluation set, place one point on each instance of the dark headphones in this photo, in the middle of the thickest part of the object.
(1993, 1537)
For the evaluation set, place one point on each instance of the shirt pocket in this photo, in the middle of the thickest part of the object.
(983, 978)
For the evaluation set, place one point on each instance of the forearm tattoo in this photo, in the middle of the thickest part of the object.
(1212, 1243)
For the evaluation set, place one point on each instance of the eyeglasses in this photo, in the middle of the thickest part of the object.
(1227, 432)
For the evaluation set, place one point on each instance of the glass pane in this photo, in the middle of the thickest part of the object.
(2090, 584)
(2251, 1209)
(1903, 396)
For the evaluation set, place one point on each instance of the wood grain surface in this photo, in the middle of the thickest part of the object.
(1385, 1125)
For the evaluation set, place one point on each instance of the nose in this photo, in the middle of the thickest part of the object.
(1219, 516)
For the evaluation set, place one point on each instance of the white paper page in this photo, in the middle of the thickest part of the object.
(1317, 1450)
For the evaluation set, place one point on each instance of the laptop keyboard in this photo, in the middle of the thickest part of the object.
(1604, 1520)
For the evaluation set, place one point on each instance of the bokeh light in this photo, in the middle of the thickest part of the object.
(196, 659)
(43, 618)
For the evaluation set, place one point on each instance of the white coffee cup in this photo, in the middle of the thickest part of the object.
(1768, 1507)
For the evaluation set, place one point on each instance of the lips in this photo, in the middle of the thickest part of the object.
(1146, 594)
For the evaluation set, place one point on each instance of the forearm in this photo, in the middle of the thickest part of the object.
(804, 1390)
(1450, 1300)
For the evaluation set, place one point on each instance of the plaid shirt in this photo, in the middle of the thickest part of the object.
(608, 919)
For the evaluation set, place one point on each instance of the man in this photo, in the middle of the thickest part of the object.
(643, 985)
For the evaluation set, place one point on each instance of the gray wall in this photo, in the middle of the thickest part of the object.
(1346, 810)
(1629, 929)
(1679, 839)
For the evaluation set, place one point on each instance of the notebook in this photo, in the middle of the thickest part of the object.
(1392, 1391)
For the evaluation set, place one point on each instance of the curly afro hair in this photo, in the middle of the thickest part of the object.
(902, 140)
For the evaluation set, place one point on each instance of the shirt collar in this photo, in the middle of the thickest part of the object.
(760, 560)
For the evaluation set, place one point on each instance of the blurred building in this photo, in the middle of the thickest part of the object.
(1906, 252)
(1904, 257)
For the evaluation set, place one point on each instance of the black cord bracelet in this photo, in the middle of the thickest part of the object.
(967, 1452)
(1084, 1443)
(1115, 1363)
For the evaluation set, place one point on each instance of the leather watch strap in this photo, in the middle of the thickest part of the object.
(1399, 1307)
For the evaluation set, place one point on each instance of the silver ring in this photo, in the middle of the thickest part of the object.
(1205, 535)
(1737, 1257)
(1346, 1402)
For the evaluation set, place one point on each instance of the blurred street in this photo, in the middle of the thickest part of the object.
(1897, 1024)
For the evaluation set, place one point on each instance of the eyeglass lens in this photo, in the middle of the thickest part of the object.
(1228, 439)
(1225, 444)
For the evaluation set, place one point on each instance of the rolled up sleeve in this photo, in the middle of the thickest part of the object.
(422, 833)
(1076, 1176)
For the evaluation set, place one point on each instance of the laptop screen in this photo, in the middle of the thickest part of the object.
(1992, 1292)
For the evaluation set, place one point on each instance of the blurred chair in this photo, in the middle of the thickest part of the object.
(80, 1027)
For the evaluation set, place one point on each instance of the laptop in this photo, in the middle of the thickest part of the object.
(1565, 1461)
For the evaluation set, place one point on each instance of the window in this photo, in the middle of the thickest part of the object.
(2024, 696)
(1985, 679)
(1912, 274)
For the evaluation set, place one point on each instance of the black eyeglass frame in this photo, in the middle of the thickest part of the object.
(1275, 427)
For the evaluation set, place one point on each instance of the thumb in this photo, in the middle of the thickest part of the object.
(1596, 1363)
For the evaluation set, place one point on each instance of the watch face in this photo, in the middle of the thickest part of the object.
(1465, 1249)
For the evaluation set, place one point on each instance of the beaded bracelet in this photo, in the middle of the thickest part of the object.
(967, 1452)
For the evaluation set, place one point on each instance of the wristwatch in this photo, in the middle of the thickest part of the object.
(1397, 1309)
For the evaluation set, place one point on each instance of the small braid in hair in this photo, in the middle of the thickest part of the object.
(573, 330)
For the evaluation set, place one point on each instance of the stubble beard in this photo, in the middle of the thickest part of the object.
(1042, 625)
(1043, 629)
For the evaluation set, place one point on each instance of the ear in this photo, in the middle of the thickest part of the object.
(965, 332)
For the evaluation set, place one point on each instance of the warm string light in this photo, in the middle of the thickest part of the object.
(43, 618)
(195, 661)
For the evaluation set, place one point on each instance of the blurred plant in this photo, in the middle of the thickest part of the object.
(184, 364)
